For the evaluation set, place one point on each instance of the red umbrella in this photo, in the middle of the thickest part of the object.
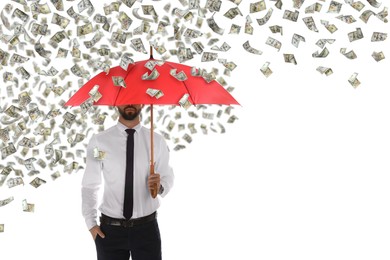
(153, 82)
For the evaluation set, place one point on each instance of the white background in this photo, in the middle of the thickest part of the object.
(303, 174)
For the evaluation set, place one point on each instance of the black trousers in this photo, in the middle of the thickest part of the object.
(142, 242)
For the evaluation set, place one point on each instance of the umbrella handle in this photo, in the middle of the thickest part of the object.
(153, 191)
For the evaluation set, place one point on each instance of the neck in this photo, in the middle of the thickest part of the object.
(129, 123)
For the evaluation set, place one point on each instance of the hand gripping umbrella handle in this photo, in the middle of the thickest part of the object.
(153, 191)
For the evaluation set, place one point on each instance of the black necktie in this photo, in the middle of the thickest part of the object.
(128, 201)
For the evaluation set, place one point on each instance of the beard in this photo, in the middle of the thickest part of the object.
(131, 114)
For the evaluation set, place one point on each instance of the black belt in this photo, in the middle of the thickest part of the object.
(127, 223)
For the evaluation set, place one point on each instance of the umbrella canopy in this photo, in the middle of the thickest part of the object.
(135, 87)
(152, 82)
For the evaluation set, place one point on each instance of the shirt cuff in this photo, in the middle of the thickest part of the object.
(90, 223)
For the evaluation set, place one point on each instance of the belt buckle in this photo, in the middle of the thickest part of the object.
(128, 223)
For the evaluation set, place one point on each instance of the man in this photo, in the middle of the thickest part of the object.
(128, 224)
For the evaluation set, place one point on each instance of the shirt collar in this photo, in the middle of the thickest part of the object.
(122, 128)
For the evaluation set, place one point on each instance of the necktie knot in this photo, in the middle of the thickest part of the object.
(130, 131)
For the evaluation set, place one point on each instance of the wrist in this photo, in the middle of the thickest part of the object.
(161, 190)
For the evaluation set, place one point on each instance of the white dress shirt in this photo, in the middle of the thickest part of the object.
(113, 170)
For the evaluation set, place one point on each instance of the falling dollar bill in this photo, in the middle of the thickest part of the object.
(119, 37)
(98, 154)
(250, 49)
(257, 7)
(194, 4)
(184, 54)
(322, 42)
(21, 15)
(40, 8)
(150, 64)
(62, 53)
(4, 135)
(209, 56)
(58, 4)
(296, 39)
(224, 47)
(350, 55)
(289, 58)
(232, 119)
(154, 93)
(192, 33)
(27, 207)
(378, 56)
(334, 7)
(274, 43)
(138, 45)
(214, 26)
(316, 7)
(323, 54)
(235, 29)
(232, 13)
(187, 138)
(119, 81)
(37, 182)
(324, 70)
(86, 5)
(57, 38)
(15, 182)
(6, 201)
(41, 51)
(378, 36)
(171, 125)
(16, 58)
(382, 15)
(297, 3)
(26, 142)
(266, 70)
(248, 26)
(152, 76)
(84, 29)
(266, 18)
(184, 102)
(126, 60)
(181, 76)
(292, 16)
(355, 35)
(357, 5)
(228, 65)
(13, 111)
(353, 80)
(7, 150)
(39, 29)
(330, 27)
(213, 5)
(59, 20)
(310, 24)
(149, 10)
(94, 93)
(23, 72)
(86, 106)
(374, 3)
(55, 175)
(276, 29)
(346, 18)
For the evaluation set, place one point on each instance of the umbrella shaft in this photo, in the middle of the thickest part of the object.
(151, 136)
